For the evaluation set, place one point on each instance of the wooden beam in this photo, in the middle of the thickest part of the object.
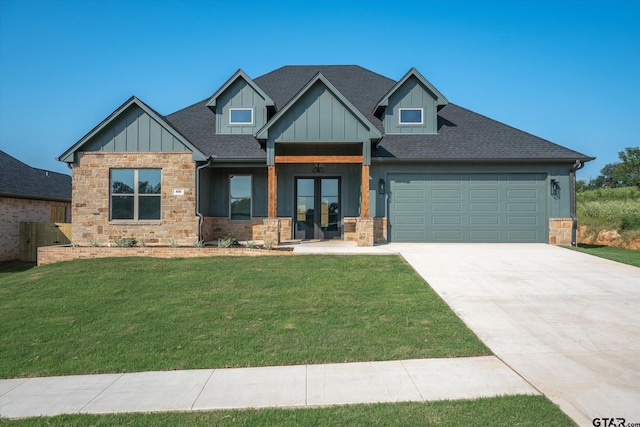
(364, 211)
(272, 190)
(319, 159)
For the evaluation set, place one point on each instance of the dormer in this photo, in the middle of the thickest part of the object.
(411, 106)
(241, 107)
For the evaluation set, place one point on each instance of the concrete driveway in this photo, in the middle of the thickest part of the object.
(567, 322)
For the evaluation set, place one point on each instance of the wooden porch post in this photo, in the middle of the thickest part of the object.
(364, 211)
(272, 192)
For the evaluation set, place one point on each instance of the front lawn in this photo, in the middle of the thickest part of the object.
(143, 314)
(625, 256)
(497, 411)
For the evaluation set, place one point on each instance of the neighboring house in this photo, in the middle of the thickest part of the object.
(320, 152)
(29, 195)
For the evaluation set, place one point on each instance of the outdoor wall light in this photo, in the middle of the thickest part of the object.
(555, 187)
(318, 168)
(381, 186)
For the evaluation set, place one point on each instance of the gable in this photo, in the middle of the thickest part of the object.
(240, 93)
(134, 130)
(132, 127)
(318, 116)
(411, 95)
(242, 96)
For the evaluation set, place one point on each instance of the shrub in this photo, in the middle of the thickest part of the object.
(228, 241)
(125, 242)
(630, 222)
(95, 243)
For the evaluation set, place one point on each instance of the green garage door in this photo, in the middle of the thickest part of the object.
(468, 208)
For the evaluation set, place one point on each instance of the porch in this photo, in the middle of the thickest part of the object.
(303, 197)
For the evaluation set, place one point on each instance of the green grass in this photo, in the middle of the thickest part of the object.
(142, 314)
(625, 256)
(7, 268)
(520, 411)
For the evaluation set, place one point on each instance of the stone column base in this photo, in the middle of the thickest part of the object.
(365, 231)
(271, 230)
(560, 231)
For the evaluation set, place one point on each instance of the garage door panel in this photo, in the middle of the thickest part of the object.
(475, 193)
(522, 194)
(446, 220)
(446, 194)
(523, 220)
(484, 235)
(402, 207)
(446, 236)
(523, 236)
(522, 207)
(410, 236)
(483, 220)
(410, 194)
(410, 220)
(468, 207)
(446, 207)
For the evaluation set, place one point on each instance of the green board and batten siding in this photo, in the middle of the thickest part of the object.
(468, 208)
(319, 116)
(134, 130)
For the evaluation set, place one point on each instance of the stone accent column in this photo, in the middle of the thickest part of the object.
(364, 231)
(271, 230)
(560, 231)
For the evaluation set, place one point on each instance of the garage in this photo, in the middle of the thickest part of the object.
(468, 208)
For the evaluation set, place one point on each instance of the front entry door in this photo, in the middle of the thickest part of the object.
(317, 208)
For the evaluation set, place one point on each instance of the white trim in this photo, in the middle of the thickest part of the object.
(242, 123)
(400, 122)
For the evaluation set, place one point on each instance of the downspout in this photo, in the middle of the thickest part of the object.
(200, 215)
(574, 217)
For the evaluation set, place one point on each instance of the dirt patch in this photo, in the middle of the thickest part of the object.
(591, 236)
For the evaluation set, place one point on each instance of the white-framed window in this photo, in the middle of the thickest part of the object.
(240, 116)
(411, 116)
(240, 197)
(135, 194)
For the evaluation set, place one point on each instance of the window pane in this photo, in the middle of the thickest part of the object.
(241, 209)
(149, 181)
(149, 207)
(241, 116)
(411, 116)
(121, 207)
(122, 181)
(241, 186)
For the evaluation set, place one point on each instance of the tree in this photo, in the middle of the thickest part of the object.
(627, 172)
(623, 174)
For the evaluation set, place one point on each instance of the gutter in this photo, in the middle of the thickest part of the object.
(574, 218)
(200, 215)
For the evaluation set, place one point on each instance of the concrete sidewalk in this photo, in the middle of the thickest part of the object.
(279, 386)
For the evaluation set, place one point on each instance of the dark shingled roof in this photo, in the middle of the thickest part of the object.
(20, 180)
(462, 134)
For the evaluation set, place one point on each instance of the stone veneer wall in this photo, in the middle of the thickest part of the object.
(90, 204)
(380, 230)
(215, 228)
(349, 230)
(13, 211)
(51, 254)
(560, 231)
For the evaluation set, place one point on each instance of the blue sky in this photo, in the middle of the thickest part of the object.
(567, 71)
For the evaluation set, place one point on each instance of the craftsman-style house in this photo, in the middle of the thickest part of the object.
(319, 152)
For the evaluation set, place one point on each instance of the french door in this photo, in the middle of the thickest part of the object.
(317, 208)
